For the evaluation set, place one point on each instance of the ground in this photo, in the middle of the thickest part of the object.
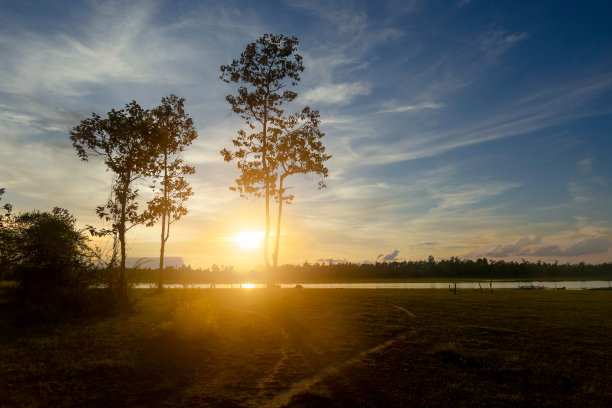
(312, 348)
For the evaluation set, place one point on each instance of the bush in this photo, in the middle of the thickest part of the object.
(49, 259)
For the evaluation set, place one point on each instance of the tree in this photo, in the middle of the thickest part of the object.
(174, 131)
(299, 151)
(6, 206)
(50, 259)
(125, 141)
(5, 253)
(264, 70)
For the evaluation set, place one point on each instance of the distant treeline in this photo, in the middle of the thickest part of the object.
(453, 268)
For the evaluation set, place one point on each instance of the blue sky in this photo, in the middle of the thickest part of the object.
(458, 128)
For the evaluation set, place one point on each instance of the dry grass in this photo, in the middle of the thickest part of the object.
(340, 348)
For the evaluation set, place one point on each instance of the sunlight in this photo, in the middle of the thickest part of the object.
(249, 239)
(247, 285)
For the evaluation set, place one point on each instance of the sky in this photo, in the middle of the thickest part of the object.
(457, 128)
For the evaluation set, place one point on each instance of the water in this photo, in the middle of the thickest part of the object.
(570, 285)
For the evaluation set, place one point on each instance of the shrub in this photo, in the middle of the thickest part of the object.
(49, 259)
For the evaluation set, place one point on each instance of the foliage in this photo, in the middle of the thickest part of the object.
(174, 131)
(264, 70)
(279, 145)
(50, 260)
(6, 206)
(3, 253)
(125, 141)
(444, 269)
(299, 151)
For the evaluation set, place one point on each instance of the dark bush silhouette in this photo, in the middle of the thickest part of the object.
(50, 261)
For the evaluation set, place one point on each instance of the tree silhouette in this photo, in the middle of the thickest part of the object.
(5, 252)
(6, 206)
(174, 131)
(49, 259)
(299, 151)
(125, 141)
(264, 71)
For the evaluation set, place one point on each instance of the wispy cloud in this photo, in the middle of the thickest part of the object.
(586, 185)
(410, 108)
(545, 107)
(336, 94)
(496, 43)
(463, 3)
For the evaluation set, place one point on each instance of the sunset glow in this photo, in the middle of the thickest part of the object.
(469, 129)
(249, 240)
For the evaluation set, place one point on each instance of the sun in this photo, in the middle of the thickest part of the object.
(249, 239)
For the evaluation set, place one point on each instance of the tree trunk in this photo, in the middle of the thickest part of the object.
(164, 236)
(278, 227)
(267, 184)
(122, 284)
(160, 283)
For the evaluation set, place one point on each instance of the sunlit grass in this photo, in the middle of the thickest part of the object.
(224, 347)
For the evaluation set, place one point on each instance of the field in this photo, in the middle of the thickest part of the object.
(313, 348)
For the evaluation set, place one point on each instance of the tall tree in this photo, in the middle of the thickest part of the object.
(298, 151)
(125, 141)
(264, 71)
(174, 131)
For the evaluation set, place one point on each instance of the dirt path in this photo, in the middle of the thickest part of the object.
(304, 385)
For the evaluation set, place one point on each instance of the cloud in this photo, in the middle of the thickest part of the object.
(586, 185)
(458, 195)
(515, 248)
(529, 246)
(587, 246)
(592, 245)
(409, 108)
(496, 43)
(331, 260)
(551, 105)
(336, 94)
(389, 257)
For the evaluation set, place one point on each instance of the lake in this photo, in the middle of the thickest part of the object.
(571, 285)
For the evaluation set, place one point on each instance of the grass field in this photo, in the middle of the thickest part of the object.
(313, 348)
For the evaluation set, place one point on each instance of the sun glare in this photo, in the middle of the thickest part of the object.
(247, 285)
(249, 240)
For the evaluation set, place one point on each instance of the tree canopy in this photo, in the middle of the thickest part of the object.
(126, 142)
(174, 132)
(276, 145)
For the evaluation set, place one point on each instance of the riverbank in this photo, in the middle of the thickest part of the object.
(318, 347)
